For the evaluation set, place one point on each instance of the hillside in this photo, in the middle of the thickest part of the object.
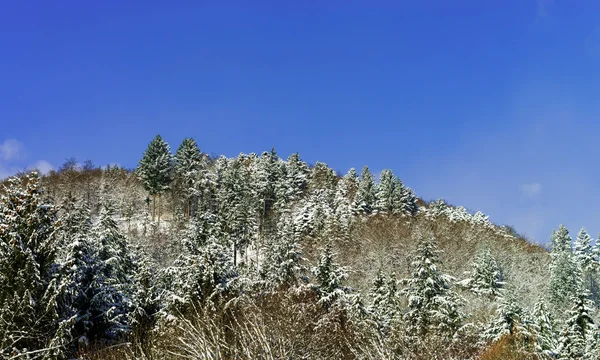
(259, 257)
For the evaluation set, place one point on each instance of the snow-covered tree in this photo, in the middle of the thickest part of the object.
(90, 300)
(408, 199)
(366, 195)
(485, 277)
(329, 279)
(385, 192)
(297, 173)
(588, 264)
(565, 276)
(28, 238)
(432, 305)
(543, 329)
(578, 330)
(189, 162)
(385, 301)
(583, 252)
(156, 170)
(236, 211)
(509, 319)
(282, 265)
(203, 277)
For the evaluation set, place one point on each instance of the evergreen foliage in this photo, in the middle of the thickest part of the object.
(565, 276)
(432, 305)
(28, 239)
(486, 276)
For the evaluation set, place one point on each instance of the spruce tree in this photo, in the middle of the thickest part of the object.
(509, 319)
(385, 192)
(585, 256)
(432, 305)
(28, 238)
(155, 170)
(236, 210)
(329, 279)
(297, 173)
(579, 329)
(385, 301)
(565, 276)
(486, 276)
(282, 265)
(366, 195)
(543, 326)
(189, 162)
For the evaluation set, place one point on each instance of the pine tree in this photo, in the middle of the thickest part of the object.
(543, 327)
(28, 238)
(565, 276)
(585, 257)
(189, 162)
(236, 211)
(297, 174)
(510, 319)
(408, 199)
(432, 305)
(385, 302)
(385, 192)
(583, 251)
(155, 170)
(366, 195)
(89, 299)
(204, 277)
(329, 279)
(96, 282)
(579, 328)
(486, 276)
(282, 265)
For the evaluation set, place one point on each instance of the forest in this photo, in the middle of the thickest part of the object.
(192, 256)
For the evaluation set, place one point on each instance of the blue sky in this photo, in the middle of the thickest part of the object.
(489, 104)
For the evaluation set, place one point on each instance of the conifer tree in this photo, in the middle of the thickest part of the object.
(486, 276)
(543, 327)
(297, 173)
(385, 300)
(282, 264)
(203, 277)
(155, 170)
(28, 238)
(510, 319)
(432, 305)
(408, 199)
(385, 192)
(583, 251)
(189, 162)
(329, 279)
(366, 195)
(579, 329)
(236, 210)
(565, 276)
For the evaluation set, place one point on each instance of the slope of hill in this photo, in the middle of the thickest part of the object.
(257, 257)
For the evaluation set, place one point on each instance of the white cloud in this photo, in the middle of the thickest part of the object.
(42, 166)
(530, 190)
(11, 150)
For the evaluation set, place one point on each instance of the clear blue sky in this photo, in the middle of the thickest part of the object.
(489, 104)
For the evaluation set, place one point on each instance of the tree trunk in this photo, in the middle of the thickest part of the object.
(153, 206)
(159, 209)
(234, 255)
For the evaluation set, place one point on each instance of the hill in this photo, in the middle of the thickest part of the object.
(190, 256)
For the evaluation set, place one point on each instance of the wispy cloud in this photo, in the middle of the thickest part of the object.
(530, 190)
(42, 166)
(12, 150)
(13, 160)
